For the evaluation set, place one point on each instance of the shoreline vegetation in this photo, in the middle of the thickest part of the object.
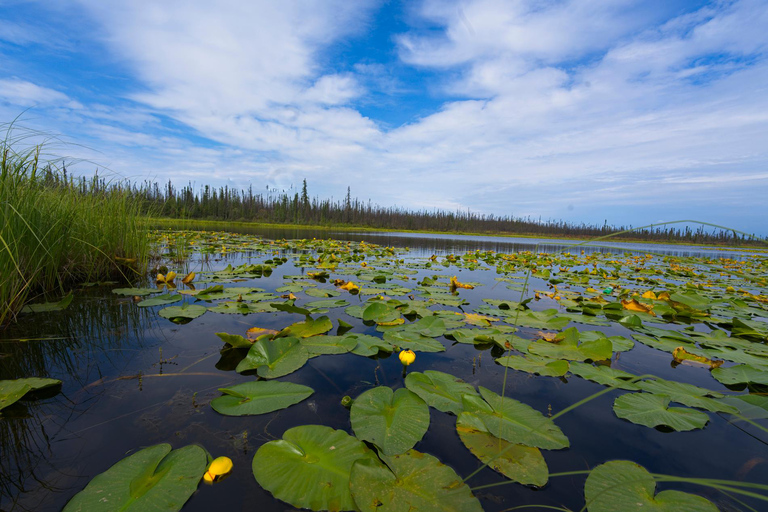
(219, 225)
(281, 208)
(56, 233)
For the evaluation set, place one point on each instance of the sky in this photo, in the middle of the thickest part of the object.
(590, 111)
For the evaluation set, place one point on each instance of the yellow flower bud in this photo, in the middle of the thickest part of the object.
(407, 357)
(219, 467)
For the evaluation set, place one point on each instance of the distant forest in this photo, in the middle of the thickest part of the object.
(281, 207)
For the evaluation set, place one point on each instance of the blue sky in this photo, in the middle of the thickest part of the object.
(584, 110)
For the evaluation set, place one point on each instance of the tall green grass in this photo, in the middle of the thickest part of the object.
(57, 232)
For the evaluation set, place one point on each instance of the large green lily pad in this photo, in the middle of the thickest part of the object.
(519, 463)
(408, 482)
(160, 300)
(259, 397)
(741, 374)
(183, 313)
(47, 307)
(543, 366)
(440, 390)
(566, 346)
(654, 411)
(628, 487)
(152, 479)
(274, 358)
(11, 391)
(513, 421)
(393, 421)
(310, 467)
(604, 375)
(687, 394)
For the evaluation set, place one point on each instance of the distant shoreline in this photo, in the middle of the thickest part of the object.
(167, 222)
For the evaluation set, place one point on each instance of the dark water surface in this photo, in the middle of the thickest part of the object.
(133, 379)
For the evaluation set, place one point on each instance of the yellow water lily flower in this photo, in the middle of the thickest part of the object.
(219, 467)
(188, 278)
(456, 284)
(407, 357)
(350, 287)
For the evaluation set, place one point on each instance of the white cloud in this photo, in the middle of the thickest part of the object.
(26, 94)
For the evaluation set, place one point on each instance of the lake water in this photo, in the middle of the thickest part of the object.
(133, 379)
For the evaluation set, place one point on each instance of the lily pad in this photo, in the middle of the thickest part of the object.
(519, 463)
(319, 345)
(274, 358)
(160, 300)
(440, 390)
(626, 486)
(259, 397)
(308, 328)
(408, 482)
(413, 341)
(741, 374)
(182, 313)
(140, 292)
(393, 421)
(310, 467)
(687, 394)
(604, 375)
(368, 345)
(154, 478)
(543, 366)
(654, 411)
(46, 307)
(513, 421)
(235, 340)
(566, 346)
(11, 391)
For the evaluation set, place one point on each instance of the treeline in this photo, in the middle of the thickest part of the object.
(281, 207)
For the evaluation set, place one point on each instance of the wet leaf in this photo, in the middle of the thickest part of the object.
(604, 375)
(274, 358)
(686, 394)
(310, 467)
(13, 390)
(741, 374)
(259, 397)
(154, 478)
(46, 307)
(628, 487)
(654, 411)
(543, 366)
(519, 463)
(393, 421)
(440, 390)
(160, 300)
(408, 482)
(185, 312)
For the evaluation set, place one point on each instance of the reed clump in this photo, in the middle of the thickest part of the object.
(57, 231)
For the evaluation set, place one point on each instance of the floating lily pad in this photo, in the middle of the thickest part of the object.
(274, 358)
(687, 394)
(140, 292)
(160, 300)
(513, 421)
(154, 478)
(566, 346)
(543, 366)
(308, 327)
(519, 463)
(183, 313)
(440, 390)
(604, 375)
(310, 467)
(259, 397)
(654, 411)
(628, 487)
(408, 482)
(741, 374)
(46, 307)
(319, 345)
(12, 391)
(413, 341)
(235, 340)
(393, 421)
(368, 345)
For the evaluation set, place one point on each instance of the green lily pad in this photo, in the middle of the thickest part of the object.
(310, 467)
(154, 478)
(319, 292)
(628, 487)
(567, 346)
(46, 307)
(513, 421)
(393, 421)
(327, 304)
(741, 374)
(413, 341)
(687, 394)
(547, 319)
(274, 358)
(408, 482)
(368, 345)
(654, 411)
(319, 345)
(181, 313)
(140, 292)
(308, 328)
(753, 407)
(241, 308)
(543, 366)
(11, 391)
(259, 397)
(440, 390)
(160, 300)
(604, 375)
(517, 462)
(235, 340)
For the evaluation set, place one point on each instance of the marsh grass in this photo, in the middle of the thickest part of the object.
(57, 232)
